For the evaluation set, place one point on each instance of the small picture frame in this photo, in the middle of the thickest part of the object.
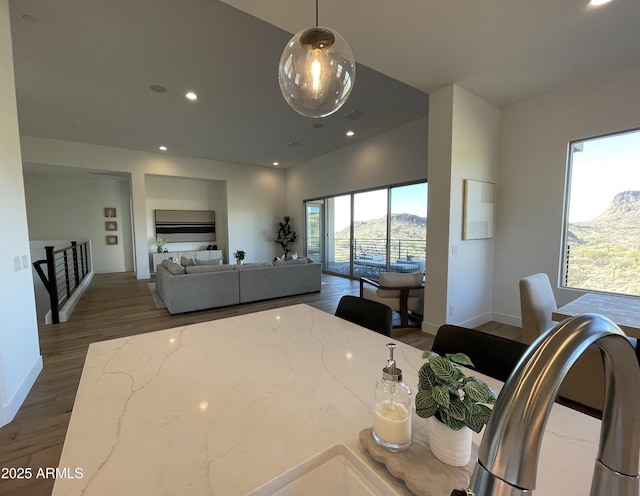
(112, 239)
(110, 212)
(111, 225)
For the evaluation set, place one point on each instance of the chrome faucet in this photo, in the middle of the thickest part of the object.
(508, 455)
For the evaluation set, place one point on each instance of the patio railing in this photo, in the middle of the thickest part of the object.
(370, 255)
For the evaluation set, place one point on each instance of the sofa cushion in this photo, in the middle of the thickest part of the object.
(254, 265)
(213, 261)
(199, 269)
(175, 269)
(186, 262)
(290, 262)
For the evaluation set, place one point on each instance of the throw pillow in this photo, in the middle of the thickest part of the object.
(294, 256)
(186, 262)
(214, 261)
(175, 269)
(298, 261)
(255, 265)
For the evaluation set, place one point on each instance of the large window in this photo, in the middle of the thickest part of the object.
(368, 232)
(602, 228)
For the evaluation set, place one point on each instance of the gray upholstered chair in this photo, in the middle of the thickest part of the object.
(400, 292)
(584, 383)
(537, 303)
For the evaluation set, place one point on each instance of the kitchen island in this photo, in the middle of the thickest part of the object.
(221, 407)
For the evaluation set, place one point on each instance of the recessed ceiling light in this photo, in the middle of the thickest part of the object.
(162, 148)
(191, 96)
(157, 88)
(597, 3)
(28, 18)
(350, 133)
(276, 164)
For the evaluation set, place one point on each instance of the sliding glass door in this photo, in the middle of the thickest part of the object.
(370, 233)
(365, 233)
(314, 229)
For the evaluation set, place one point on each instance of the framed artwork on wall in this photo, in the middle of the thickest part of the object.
(111, 225)
(112, 239)
(479, 205)
(110, 212)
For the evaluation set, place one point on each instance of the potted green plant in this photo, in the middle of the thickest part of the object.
(456, 403)
(285, 235)
(239, 256)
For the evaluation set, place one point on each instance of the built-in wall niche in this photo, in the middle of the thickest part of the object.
(176, 226)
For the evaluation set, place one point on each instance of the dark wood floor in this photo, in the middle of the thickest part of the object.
(117, 305)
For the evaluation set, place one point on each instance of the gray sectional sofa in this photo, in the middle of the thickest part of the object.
(190, 288)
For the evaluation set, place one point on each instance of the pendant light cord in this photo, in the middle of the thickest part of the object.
(316, 13)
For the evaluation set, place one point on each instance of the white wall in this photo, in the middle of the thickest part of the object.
(72, 207)
(20, 360)
(255, 195)
(397, 156)
(532, 167)
(464, 133)
(172, 193)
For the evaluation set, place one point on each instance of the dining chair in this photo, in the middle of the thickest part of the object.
(366, 313)
(537, 303)
(491, 355)
(402, 292)
(584, 383)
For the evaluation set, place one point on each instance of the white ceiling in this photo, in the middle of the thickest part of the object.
(84, 67)
(501, 50)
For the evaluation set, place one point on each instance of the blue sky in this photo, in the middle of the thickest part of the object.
(410, 199)
(605, 167)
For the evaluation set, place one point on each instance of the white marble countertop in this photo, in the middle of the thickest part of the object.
(222, 407)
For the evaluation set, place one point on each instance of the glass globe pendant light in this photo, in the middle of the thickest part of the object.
(316, 71)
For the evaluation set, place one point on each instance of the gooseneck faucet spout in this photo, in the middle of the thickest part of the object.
(508, 456)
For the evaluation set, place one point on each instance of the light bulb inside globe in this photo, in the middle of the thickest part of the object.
(316, 72)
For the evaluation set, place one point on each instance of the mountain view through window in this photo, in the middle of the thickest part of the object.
(602, 232)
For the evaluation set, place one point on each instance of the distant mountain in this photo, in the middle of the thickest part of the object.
(622, 215)
(403, 226)
(605, 251)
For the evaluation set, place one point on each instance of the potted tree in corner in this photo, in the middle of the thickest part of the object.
(285, 235)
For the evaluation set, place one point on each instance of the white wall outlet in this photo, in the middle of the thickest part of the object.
(450, 310)
(17, 266)
(454, 249)
(25, 261)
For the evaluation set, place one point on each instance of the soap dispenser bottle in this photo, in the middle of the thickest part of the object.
(392, 411)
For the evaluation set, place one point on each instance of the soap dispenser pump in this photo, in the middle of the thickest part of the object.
(392, 411)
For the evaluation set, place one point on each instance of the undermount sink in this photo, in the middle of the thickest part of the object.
(337, 471)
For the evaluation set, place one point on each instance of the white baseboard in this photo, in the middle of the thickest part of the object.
(475, 321)
(504, 318)
(8, 411)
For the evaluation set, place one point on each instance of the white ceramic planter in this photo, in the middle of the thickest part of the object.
(451, 447)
